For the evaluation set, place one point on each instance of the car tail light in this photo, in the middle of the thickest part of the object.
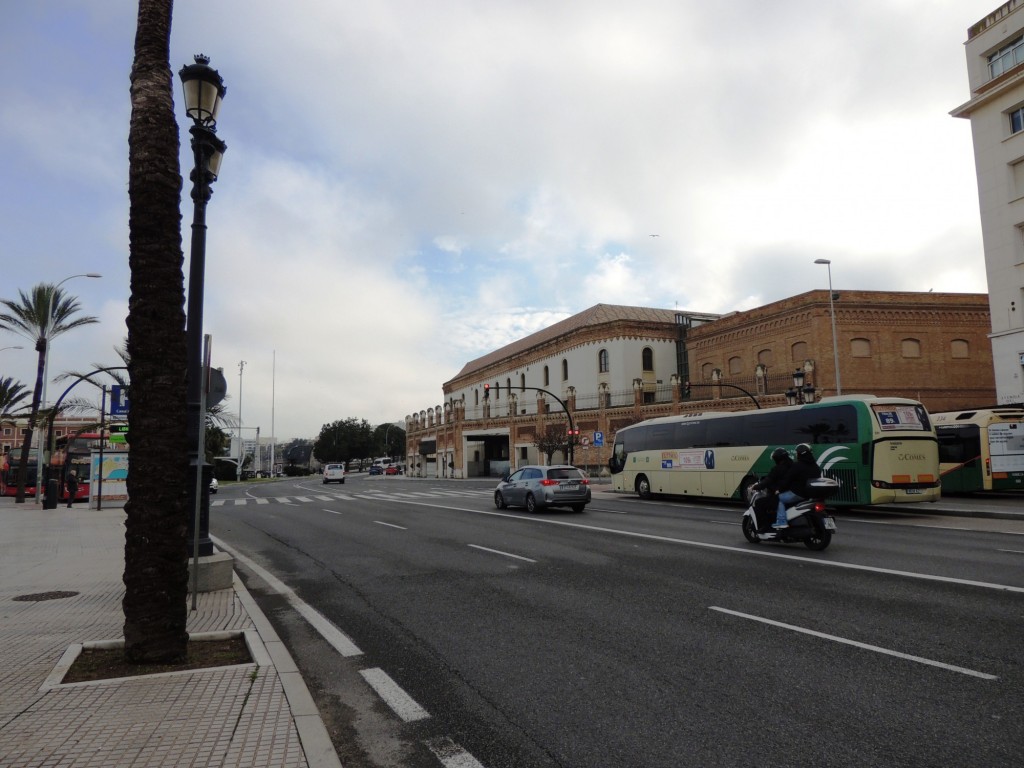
(549, 482)
(585, 480)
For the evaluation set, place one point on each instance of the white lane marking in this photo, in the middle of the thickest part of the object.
(305, 499)
(219, 503)
(722, 522)
(338, 639)
(283, 499)
(911, 524)
(332, 511)
(753, 552)
(262, 500)
(856, 644)
(241, 502)
(390, 525)
(341, 497)
(499, 552)
(325, 498)
(1012, 551)
(451, 754)
(401, 702)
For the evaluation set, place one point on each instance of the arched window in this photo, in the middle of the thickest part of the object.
(547, 378)
(522, 382)
(910, 347)
(860, 348)
(497, 390)
(764, 357)
(798, 352)
(648, 359)
(602, 361)
(476, 397)
(959, 348)
(706, 371)
(508, 386)
(735, 365)
(565, 370)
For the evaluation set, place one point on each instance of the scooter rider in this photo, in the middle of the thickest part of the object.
(773, 480)
(793, 487)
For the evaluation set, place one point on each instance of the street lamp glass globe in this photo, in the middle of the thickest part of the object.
(204, 89)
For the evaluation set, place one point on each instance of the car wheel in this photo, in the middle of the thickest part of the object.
(578, 507)
(499, 500)
(531, 503)
(643, 487)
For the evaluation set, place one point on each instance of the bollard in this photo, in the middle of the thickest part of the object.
(52, 494)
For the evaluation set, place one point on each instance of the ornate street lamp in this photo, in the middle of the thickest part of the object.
(204, 89)
(800, 393)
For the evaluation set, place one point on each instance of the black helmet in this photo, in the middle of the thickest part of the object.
(779, 454)
(804, 450)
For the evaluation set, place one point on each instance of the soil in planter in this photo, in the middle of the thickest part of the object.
(102, 664)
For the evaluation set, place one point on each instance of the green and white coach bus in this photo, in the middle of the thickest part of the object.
(882, 450)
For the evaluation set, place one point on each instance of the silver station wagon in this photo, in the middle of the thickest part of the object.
(536, 487)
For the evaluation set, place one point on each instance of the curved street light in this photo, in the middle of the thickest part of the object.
(46, 366)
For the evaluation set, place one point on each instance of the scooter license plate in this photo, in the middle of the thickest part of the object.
(830, 524)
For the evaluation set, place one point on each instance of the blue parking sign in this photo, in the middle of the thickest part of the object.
(118, 401)
(599, 439)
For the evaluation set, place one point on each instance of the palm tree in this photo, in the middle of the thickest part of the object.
(12, 395)
(44, 313)
(156, 554)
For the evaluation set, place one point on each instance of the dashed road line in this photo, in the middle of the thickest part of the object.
(451, 754)
(499, 552)
(401, 702)
(390, 525)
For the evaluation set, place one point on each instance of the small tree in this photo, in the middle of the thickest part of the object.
(553, 438)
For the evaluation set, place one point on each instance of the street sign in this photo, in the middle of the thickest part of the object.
(599, 439)
(118, 434)
(584, 440)
(119, 403)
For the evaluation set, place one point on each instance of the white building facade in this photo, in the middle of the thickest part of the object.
(995, 67)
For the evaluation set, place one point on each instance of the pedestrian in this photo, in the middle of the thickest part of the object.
(72, 485)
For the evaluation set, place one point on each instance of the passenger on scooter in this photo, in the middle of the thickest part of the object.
(793, 487)
(771, 482)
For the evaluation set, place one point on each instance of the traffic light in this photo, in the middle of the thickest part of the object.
(487, 391)
(686, 389)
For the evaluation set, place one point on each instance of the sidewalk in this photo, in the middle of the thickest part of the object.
(258, 714)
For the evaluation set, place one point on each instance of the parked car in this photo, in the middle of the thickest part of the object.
(376, 469)
(334, 473)
(536, 487)
(392, 470)
(214, 485)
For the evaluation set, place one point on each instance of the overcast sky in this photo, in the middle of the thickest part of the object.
(409, 185)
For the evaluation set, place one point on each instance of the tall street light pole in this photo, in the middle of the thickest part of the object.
(46, 365)
(241, 445)
(832, 312)
(203, 89)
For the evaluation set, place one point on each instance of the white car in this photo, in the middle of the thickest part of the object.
(334, 473)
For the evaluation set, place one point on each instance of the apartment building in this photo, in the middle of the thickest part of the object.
(995, 68)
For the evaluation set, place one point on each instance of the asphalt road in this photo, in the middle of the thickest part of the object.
(639, 633)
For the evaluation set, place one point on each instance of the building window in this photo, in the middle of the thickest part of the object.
(508, 386)
(764, 357)
(602, 361)
(735, 365)
(522, 382)
(1017, 120)
(1007, 57)
(565, 370)
(648, 359)
(959, 349)
(706, 370)
(547, 378)
(910, 348)
(497, 390)
(798, 352)
(860, 348)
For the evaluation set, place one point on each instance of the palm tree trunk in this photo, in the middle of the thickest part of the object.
(156, 571)
(33, 416)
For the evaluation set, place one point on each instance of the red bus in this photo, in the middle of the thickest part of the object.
(71, 453)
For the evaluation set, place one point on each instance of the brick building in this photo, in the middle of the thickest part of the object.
(610, 366)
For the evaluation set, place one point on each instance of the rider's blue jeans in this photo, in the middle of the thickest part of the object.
(786, 499)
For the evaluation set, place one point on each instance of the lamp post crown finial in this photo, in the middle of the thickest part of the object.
(201, 58)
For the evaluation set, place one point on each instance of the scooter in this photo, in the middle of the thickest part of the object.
(808, 520)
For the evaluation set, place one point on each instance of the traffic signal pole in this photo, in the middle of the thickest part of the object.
(572, 427)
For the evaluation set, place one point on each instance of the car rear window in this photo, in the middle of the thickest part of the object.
(567, 473)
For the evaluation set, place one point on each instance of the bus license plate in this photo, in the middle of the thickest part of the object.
(915, 490)
(830, 524)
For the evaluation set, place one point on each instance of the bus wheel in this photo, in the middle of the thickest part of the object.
(750, 533)
(818, 541)
(745, 488)
(643, 487)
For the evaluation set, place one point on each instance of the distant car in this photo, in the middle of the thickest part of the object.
(536, 487)
(214, 485)
(376, 469)
(334, 473)
(248, 474)
(392, 470)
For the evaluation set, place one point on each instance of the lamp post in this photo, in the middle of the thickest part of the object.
(241, 445)
(203, 89)
(46, 366)
(800, 393)
(832, 312)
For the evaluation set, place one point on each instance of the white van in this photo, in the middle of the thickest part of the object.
(334, 473)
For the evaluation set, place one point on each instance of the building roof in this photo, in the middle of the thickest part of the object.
(599, 314)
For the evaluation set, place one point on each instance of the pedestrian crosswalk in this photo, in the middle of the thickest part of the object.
(370, 496)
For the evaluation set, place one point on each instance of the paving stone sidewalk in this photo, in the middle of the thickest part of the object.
(258, 714)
